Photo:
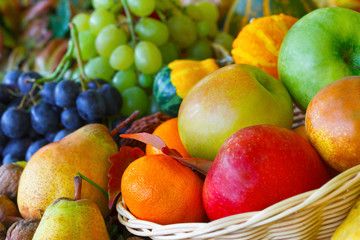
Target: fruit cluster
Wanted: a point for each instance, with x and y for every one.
(128, 43)
(34, 114)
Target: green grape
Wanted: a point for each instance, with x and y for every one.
(209, 11)
(106, 4)
(203, 28)
(225, 40)
(193, 12)
(99, 67)
(134, 98)
(99, 19)
(200, 50)
(152, 30)
(141, 8)
(148, 57)
(108, 39)
(86, 45)
(124, 79)
(213, 29)
(182, 30)
(81, 20)
(122, 57)
(145, 80)
(169, 52)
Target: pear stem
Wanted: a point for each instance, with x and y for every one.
(77, 183)
(92, 183)
(121, 125)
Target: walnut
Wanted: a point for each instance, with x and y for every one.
(7, 208)
(9, 180)
(2, 232)
(23, 229)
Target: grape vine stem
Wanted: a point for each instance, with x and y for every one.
(131, 22)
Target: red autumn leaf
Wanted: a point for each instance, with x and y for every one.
(199, 164)
(119, 162)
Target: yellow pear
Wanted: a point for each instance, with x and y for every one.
(349, 229)
(76, 218)
(48, 174)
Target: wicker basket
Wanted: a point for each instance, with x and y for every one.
(311, 215)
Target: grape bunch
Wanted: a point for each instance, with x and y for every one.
(127, 42)
(34, 113)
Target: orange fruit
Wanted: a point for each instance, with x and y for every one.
(159, 189)
(169, 133)
(302, 132)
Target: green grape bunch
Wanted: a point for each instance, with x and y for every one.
(127, 42)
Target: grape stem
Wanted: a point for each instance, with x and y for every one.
(161, 16)
(62, 66)
(75, 39)
(131, 23)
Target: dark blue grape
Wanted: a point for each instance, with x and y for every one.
(50, 136)
(5, 96)
(25, 81)
(11, 77)
(3, 108)
(47, 92)
(3, 138)
(61, 134)
(15, 122)
(12, 158)
(44, 119)
(34, 147)
(112, 98)
(90, 105)
(95, 83)
(71, 119)
(34, 135)
(17, 146)
(15, 102)
(65, 93)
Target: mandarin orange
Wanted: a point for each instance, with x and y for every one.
(169, 133)
(159, 189)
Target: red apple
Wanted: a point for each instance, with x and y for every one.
(259, 166)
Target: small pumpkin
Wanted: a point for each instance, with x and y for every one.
(176, 79)
(241, 12)
(258, 43)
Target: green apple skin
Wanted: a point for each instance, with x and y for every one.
(320, 48)
(231, 98)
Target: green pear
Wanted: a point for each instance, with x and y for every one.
(349, 229)
(47, 176)
(76, 218)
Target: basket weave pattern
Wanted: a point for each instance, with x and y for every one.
(311, 215)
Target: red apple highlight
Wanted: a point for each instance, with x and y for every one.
(259, 166)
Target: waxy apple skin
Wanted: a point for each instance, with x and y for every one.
(231, 98)
(259, 166)
(321, 47)
(332, 123)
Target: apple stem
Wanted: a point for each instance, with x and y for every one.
(77, 183)
(121, 125)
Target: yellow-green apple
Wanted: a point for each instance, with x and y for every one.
(259, 166)
(231, 98)
(332, 123)
(320, 48)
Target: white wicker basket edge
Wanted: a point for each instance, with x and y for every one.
(311, 215)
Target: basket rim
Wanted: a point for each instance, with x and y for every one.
(338, 184)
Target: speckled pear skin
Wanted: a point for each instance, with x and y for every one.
(68, 219)
(50, 171)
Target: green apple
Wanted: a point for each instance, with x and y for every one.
(320, 48)
(231, 98)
